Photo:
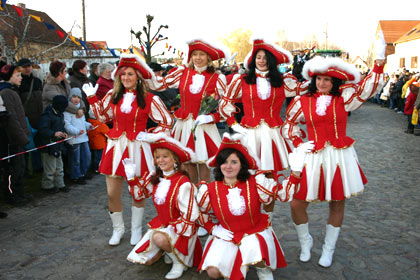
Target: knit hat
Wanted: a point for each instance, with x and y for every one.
(60, 103)
(6, 72)
(75, 92)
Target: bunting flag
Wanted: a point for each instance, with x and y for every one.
(167, 45)
(74, 40)
(60, 33)
(113, 53)
(49, 26)
(18, 10)
(36, 18)
(83, 44)
(169, 48)
(104, 49)
(131, 50)
(160, 36)
(94, 46)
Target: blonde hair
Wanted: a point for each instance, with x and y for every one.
(119, 88)
(210, 66)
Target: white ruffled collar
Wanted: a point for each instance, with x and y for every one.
(168, 173)
(200, 69)
(261, 73)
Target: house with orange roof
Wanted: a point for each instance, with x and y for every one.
(402, 38)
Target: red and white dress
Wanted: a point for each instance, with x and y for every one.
(193, 86)
(262, 106)
(122, 141)
(332, 171)
(238, 209)
(177, 211)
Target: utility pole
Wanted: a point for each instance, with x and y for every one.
(326, 37)
(83, 20)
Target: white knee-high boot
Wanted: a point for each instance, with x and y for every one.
(264, 273)
(118, 228)
(305, 240)
(136, 222)
(331, 237)
(177, 268)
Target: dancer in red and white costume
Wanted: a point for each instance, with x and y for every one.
(243, 235)
(262, 92)
(128, 106)
(173, 230)
(196, 81)
(332, 172)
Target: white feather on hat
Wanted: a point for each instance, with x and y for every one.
(320, 65)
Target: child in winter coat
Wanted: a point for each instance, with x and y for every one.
(97, 140)
(409, 105)
(79, 153)
(51, 129)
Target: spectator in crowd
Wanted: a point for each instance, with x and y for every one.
(97, 140)
(57, 84)
(79, 155)
(17, 131)
(417, 105)
(93, 73)
(30, 92)
(409, 105)
(105, 83)
(50, 130)
(4, 140)
(78, 77)
(399, 102)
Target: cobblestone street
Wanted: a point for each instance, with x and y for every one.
(65, 235)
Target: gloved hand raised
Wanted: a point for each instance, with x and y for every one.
(89, 89)
(239, 129)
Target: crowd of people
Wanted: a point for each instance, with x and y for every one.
(158, 131)
(401, 95)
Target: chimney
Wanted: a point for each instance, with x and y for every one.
(21, 5)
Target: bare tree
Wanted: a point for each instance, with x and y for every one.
(150, 40)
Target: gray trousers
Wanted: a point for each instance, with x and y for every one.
(53, 171)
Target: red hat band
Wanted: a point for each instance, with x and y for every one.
(336, 73)
(281, 55)
(134, 61)
(163, 141)
(213, 52)
(232, 143)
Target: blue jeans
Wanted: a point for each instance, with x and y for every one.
(79, 159)
(96, 158)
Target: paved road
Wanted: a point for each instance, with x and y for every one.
(64, 236)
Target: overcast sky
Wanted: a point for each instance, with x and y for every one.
(350, 24)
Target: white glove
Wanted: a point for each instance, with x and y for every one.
(297, 158)
(222, 233)
(380, 46)
(203, 119)
(89, 89)
(130, 168)
(240, 129)
(142, 136)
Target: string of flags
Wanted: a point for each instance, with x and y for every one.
(84, 44)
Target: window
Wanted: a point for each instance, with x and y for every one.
(414, 62)
(402, 62)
